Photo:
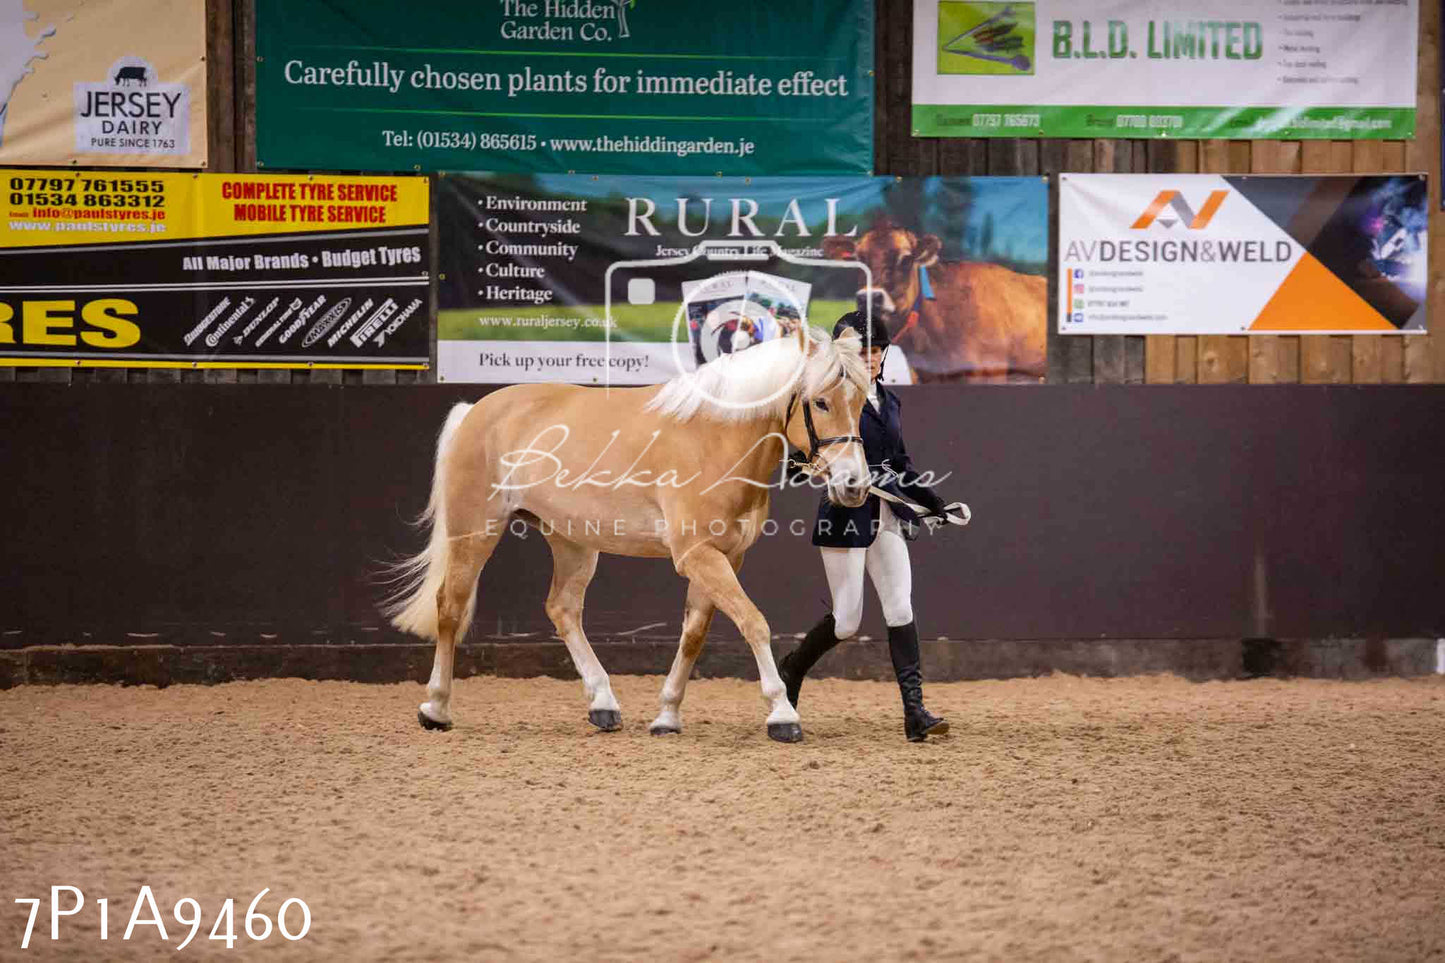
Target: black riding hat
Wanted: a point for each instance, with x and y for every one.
(871, 329)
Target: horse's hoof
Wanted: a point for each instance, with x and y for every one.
(608, 720)
(664, 731)
(785, 732)
(427, 722)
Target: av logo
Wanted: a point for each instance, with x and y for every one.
(1168, 204)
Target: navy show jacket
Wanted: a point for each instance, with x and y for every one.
(882, 433)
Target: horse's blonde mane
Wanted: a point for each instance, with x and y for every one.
(733, 387)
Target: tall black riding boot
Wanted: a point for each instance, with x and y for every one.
(918, 722)
(793, 666)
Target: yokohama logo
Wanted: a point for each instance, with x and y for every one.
(1174, 201)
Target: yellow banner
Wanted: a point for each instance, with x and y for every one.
(43, 208)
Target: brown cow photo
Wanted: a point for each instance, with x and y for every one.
(968, 321)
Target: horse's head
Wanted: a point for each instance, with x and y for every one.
(822, 419)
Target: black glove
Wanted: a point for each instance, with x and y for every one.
(940, 516)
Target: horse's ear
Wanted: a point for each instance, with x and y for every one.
(926, 254)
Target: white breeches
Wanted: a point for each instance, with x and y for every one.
(886, 562)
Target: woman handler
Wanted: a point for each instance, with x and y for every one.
(871, 538)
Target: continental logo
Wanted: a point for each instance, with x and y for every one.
(1170, 208)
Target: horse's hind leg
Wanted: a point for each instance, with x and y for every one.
(572, 570)
(456, 599)
(696, 618)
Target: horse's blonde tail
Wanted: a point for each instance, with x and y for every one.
(412, 607)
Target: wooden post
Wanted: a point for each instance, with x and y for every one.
(1078, 359)
(1424, 354)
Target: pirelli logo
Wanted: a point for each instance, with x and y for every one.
(1170, 208)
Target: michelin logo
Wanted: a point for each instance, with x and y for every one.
(132, 112)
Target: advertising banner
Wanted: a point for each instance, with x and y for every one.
(150, 269)
(629, 280)
(566, 85)
(1210, 254)
(98, 82)
(1125, 68)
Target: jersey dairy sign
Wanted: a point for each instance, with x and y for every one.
(133, 112)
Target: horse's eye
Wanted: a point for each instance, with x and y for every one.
(821, 405)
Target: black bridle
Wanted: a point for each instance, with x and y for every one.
(814, 442)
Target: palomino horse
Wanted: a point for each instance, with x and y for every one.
(677, 470)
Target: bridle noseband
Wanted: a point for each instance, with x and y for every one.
(814, 442)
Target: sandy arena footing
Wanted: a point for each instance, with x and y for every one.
(1064, 818)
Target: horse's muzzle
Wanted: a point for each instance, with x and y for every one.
(848, 494)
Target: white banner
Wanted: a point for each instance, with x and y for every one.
(1177, 68)
(1214, 254)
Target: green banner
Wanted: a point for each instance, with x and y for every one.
(595, 86)
(1237, 123)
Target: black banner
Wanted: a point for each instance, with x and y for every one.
(354, 296)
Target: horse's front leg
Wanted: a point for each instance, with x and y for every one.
(573, 566)
(696, 617)
(709, 570)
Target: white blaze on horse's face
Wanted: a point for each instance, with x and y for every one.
(835, 414)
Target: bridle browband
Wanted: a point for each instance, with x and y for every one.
(814, 442)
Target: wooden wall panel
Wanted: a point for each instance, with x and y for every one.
(231, 97)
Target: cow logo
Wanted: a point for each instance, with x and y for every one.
(132, 75)
(1169, 208)
(132, 111)
(985, 38)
